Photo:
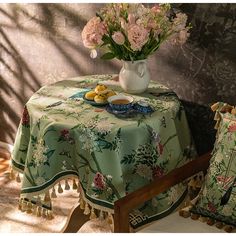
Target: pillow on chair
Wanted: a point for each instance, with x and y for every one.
(217, 198)
(216, 202)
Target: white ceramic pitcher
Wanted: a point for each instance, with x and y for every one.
(134, 76)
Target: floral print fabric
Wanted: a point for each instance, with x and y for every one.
(216, 200)
(62, 136)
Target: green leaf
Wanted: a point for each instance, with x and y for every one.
(46, 163)
(104, 144)
(98, 15)
(129, 159)
(107, 56)
(106, 39)
(61, 139)
(33, 139)
(49, 153)
(23, 150)
(118, 133)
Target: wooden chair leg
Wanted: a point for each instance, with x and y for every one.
(76, 215)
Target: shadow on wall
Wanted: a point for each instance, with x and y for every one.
(14, 71)
(201, 123)
(40, 44)
(204, 69)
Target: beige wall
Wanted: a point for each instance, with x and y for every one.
(41, 44)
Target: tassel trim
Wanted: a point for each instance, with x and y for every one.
(38, 210)
(101, 215)
(74, 186)
(86, 209)
(47, 197)
(82, 203)
(30, 208)
(223, 108)
(215, 106)
(60, 189)
(110, 219)
(185, 212)
(18, 180)
(67, 186)
(103, 212)
(12, 174)
(53, 194)
(92, 215)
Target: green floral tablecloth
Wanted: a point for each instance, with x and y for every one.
(111, 156)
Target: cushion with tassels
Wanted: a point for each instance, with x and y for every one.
(217, 198)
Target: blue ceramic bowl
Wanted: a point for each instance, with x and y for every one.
(120, 102)
(142, 107)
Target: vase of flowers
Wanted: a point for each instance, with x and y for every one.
(131, 33)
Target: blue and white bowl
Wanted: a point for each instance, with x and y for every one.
(120, 107)
(143, 107)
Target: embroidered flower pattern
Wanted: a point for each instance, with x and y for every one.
(25, 117)
(227, 210)
(39, 154)
(40, 180)
(157, 139)
(104, 126)
(211, 207)
(102, 186)
(215, 201)
(88, 140)
(232, 128)
(173, 195)
(94, 138)
(65, 133)
(99, 181)
(157, 172)
(65, 136)
(144, 171)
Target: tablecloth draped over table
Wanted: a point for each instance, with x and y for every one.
(110, 156)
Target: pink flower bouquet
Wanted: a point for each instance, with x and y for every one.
(132, 31)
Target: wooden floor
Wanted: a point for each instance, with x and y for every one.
(4, 160)
(77, 218)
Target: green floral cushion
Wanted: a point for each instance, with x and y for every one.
(217, 198)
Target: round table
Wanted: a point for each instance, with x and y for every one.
(106, 157)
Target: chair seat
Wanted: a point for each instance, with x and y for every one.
(174, 223)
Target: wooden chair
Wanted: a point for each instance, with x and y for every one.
(123, 206)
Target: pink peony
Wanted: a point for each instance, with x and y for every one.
(180, 22)
(151, 24)
(118, 37)
(137, 36)
(156, 9)
(131, 19)
(183, 36)
(232, 128)
(157, 172)
(123, 24)
(93, 32)
(180, 38)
